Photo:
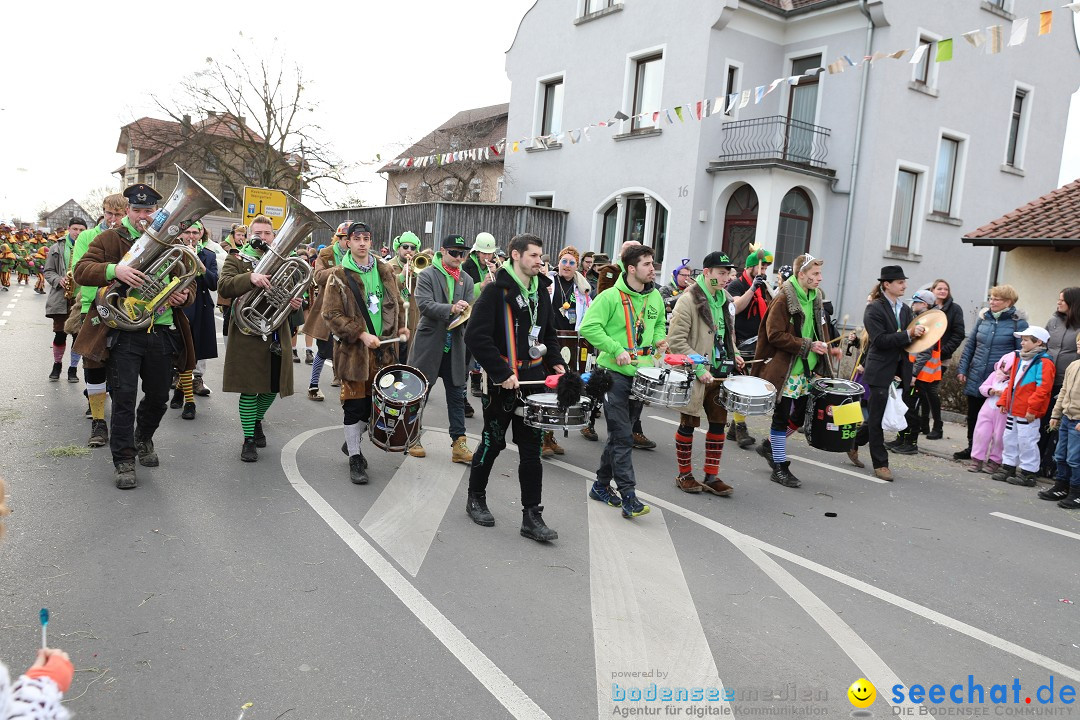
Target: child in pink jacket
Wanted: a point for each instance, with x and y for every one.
(986, 444)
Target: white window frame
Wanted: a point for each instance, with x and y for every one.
(403, 192)
(449, 185)
(959, 172)
(532, 197)
(917, 211)
(582, 7)
(922, 36)
(630, 82)
(476, 189)
(499, 183)
(541, 88)
(1022, 131)
(150, 178)
(131, 179)
(132, 157)
(739, 75)
(789, 59)
(230, 205)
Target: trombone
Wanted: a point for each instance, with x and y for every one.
(417, 263)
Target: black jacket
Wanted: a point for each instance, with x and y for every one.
(887, 357)
(954, 333)
(485, 334)
(748, 322)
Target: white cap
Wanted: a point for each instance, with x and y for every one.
(1039, 333)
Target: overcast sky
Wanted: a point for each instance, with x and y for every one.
(382, 74)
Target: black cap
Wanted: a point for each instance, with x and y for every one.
(360, 227)
(141, 195)
(892, 272)
(454, 241)
(77, 221)
(717, 259)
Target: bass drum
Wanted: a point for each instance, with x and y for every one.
(575, 350)
(831, 425)
(397, 405)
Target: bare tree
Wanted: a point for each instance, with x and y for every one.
(253, 126)
(96, 198)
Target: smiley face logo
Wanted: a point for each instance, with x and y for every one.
(862, 693)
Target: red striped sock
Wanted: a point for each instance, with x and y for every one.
(714, 448)
(684, 452)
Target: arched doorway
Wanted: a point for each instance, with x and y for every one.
(793, 232)
(740, 223)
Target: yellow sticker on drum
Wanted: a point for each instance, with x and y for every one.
(387, 381)
(847, 414)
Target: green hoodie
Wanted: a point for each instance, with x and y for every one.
(604, 325)
(86, 293)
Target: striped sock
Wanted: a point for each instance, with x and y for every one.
(265, 400)
(684, 450)
(184, 383)
(778, 440)
(248, 411)
(714, 448)
(316, 370)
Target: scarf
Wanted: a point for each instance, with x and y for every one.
(1027, 355)
(757, 302)
(528, 292)
(250, 252)
(131, 228)
(369, 275)
(338, 252)
(806, 302)
(716, 300)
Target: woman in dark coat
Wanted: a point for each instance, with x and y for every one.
(991, 338)
(1063, 326)
(200, 315)
(950, 343)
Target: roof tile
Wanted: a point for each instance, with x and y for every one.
(1054, 216)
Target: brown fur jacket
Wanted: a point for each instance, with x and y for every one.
(780, 338)
(343, 317)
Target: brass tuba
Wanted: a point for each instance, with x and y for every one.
(261, 311)
(158, 254)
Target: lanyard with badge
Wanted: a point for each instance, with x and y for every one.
(536, 348)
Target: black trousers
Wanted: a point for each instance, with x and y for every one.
(931, 402)
(871, 431)
(499, 407)
(134, 356)
(974, 405)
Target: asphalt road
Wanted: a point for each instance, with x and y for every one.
(218, 583)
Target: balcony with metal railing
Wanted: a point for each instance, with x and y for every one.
(775, 141)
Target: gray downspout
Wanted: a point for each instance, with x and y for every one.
(852, 183)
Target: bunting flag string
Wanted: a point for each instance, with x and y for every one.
(992, 38)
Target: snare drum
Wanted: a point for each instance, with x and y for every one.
(662, 386)
(575, 350)
(827, 397)
(397, 403)
(748, 395)
(542, 411)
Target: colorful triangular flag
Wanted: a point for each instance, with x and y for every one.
(975, 38)
(994, 37)
(944, 50)
(1046, 21)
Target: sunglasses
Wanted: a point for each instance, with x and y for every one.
(456, 253)
(408, 246)
(568, 261)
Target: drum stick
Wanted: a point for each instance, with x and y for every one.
(398, 339)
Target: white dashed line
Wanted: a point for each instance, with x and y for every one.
(1031, 523)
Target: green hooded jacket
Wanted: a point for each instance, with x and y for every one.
(604, 325)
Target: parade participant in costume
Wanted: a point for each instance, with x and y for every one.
(22, 260)
(314, 325)
(128, 356)
(625, 323)
(231, 244)
(361, 306)
(37, 262)
(791, 347)
(885, 319)
(682, 278)
(606, 278)
(752, 297)
(481, 266)
(57, 271)
(200, 315)
(114, 209)
(406, 246)
(254, 366)
(7, 264)
(1024, 402)
(570, 295)
(442, 292)
(510, 324)
(702, 323)
(926, 373)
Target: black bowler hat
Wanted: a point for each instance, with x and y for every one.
(141, 195)
(717, 259)
(892, 272)
(454, 241)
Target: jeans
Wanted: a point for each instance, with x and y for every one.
(621, 414)
(499, 415)
(455, 398)
(136, 355)
(1067, 454)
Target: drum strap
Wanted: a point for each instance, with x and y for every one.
(359, 301)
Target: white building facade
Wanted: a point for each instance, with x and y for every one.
(883, 164)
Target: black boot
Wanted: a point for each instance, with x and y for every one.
(73, 374)
(189, 411)
(742, 436)
(782, 474)
(532, 525)
(358, 469)
(260, 437)
(1060, 491)
(145, 450)
(55, 374)
(765, 451)
(248, 453)
(125, 475)
(1004, 473)
(177, 401)
(476, 508)
(937, 433)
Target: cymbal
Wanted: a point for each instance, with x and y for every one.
(936, 322)
(460, 318)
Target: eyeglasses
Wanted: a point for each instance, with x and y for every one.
(456, 253)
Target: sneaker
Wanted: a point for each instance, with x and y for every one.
(589, 434)
(309, 357)
(314, 393)
(199, 387)
(177, 401)
(1025, 478)
(883, 473)
(991, 467)
(73, 374)
(145, 450)
(962, 455)
(1072, 502)
(602, 492)
(687, 483)
(260, 436)
(248, 453)
(55, 374)
(99, 434)
(643, 443)
(716, 486)
(1060, 491)
(781, 474)
(189, 411)
(904, 449)
(461, 452)
(416, 450)
(125, 475)
(632, 507)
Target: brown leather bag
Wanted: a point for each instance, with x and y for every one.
(74, 321)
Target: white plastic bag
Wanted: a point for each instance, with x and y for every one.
(895, 410)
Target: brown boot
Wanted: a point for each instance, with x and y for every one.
(550, 446)
(687, 483)
(883, 473)
(716, 486)
(461, 452)
(853, 456)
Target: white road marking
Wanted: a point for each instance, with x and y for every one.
(864, 587)
(476, 662)
(11, 305)
(6, 313)
(643, 615)
(1031, 523)
(808, 461)
(406, 515)
(3, 322)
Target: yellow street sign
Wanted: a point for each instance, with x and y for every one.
(264, 201)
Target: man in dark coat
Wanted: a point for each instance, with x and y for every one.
(885, 319)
